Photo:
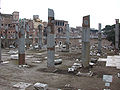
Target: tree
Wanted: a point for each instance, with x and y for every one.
(111, 36)
(110, 33)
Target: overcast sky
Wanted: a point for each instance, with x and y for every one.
(100, 11)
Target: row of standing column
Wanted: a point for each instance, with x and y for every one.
(51, 39)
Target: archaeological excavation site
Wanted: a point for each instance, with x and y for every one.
(53, 55)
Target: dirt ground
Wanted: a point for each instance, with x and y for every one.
(59, 78)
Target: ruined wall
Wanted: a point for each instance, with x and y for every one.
(77, 42)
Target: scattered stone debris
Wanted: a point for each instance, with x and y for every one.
(14, 57)
(93, 60)
(13, 52)
(37, 61)
(24, 66)
(78, 65)
(28, 56)
(5, 62)
(71, 69)
(40, 86)
(56, 55)
(22, 85)
(67, 85)
(98, 54)
(74, 67)
(45, 57)
(91, 63)
(77, 60)
(85, 74)
(58, 61)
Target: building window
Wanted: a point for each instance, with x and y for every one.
(13, 26)
(60, 42)
(62, 23)
(60, 30)
(8, 25)
(55, 43)
(56, 23)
